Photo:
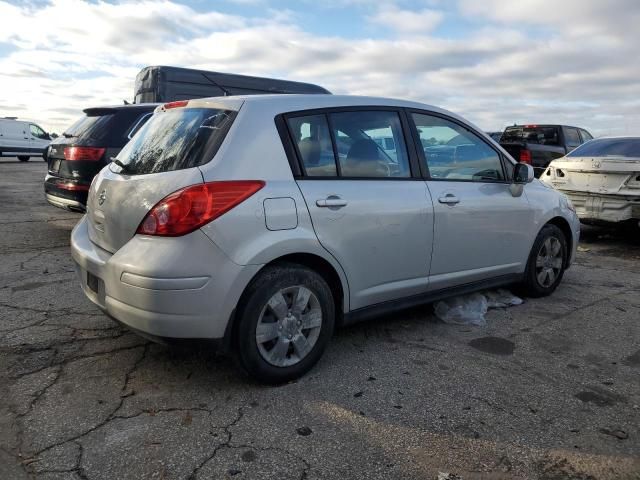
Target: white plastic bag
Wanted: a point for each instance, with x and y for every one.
(501, 298)
(471, 309)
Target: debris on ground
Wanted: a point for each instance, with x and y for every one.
(470, 309)
(448, 476)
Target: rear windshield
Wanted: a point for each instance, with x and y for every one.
(94, 127)
(609, 147)
(176, 139)
(531, 134)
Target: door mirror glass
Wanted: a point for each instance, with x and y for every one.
(523, 173)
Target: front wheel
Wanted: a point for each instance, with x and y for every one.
(23, 158)
(286, 319)
(546, 263)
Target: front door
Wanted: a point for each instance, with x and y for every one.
(481, 230)
(367, 209)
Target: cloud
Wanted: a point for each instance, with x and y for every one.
(408, 21)
(514, 61)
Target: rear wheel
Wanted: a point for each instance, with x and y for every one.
(546, 263)
(286, 319)
(23, 158)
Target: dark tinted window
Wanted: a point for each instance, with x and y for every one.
(609, 147)
(176, 139)
(89, 127)
(454, 153)
(313, 141)
(370, 144)
(572, 139)
(531, 134)
(105, 127)
(139, 124)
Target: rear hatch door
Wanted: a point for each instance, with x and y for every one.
(118, 203)
(162, 158)
(86, 147)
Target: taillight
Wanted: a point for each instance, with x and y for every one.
(176, 104)
(525, 156)
(72, 187)
(191, 207)
(92, 154)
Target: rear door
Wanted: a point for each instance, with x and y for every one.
(481, 230)
(368, 206)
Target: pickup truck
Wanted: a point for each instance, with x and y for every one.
(538, 145)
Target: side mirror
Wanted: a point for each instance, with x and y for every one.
(523, 173)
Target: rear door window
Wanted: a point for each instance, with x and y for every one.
(354, 144)
(176, 139)
(370, 144)
(586, 136)
(572, 138)
(313, 141)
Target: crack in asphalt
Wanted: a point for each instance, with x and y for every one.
(226, 428)
(110, 417)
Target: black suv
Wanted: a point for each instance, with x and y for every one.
(86, 147)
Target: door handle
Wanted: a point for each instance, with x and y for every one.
(331, 202)
(449, 199)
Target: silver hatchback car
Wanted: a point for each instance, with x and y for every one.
(264, 222)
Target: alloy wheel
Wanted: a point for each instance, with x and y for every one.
(289, 326)
(549, 262)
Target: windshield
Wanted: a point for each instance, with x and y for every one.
(609, 147)
(175, 139)
(531, 134)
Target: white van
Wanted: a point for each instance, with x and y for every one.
(22, 139)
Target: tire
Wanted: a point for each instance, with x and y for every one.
(23, 158)
(288, 350)
(544, 272)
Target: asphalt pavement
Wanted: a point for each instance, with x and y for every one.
(547, 390)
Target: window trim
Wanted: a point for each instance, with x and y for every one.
(295, 160)
(38, 127)
(584, 139)
(504, 162)
(565, 130)
(135, 128)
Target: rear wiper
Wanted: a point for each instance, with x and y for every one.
(122, 166)
(67, 135)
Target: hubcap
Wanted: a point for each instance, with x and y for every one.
(289, 326)
(549, 262)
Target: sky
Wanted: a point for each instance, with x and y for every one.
(495, 62)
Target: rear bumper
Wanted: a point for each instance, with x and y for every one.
(182, 287)
(66, 193)
(605, 208)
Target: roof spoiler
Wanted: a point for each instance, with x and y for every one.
(98, 111)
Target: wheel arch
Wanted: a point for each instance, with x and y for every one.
(331, 274)
(564, 226)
